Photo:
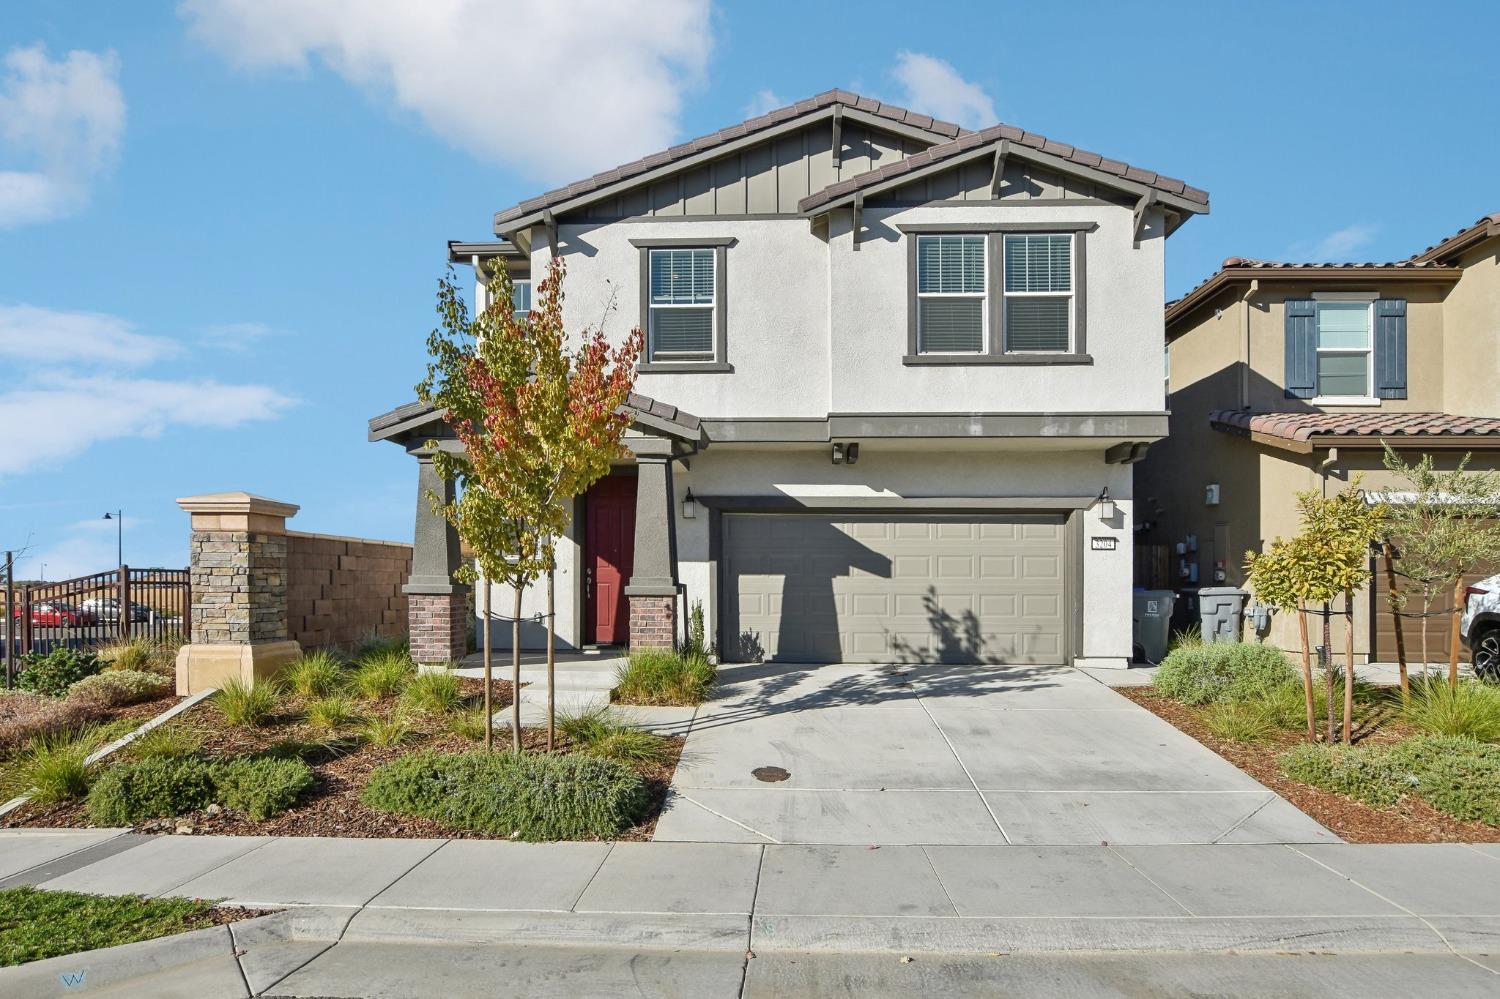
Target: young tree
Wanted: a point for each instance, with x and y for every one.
(1445, 529)
(1328, 557)
(539, 422)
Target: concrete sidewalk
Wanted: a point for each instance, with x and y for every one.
(362, 916)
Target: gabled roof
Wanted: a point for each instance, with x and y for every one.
(1460, 241)
(1026, 145)
(1302, 432)
(418, 420)
(857, 108)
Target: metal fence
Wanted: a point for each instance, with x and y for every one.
(94, 610)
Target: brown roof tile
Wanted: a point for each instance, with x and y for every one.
(1304, 427)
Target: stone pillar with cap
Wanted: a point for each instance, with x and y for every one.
(239, 580)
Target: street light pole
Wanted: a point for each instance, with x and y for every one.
(119, 518)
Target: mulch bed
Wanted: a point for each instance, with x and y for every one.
(331, 807)
(1410, 820)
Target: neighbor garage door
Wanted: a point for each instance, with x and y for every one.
(962, 589)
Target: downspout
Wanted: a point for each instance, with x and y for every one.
(1250, 293)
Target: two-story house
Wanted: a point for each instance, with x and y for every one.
(896, 377)
(1286, 377)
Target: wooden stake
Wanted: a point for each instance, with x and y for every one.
(1307, 680)
(1348, 666)
(489, 672)
(515, 675)
(551, 659)
(1390, 590)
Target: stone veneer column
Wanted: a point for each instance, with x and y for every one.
(239, 579)
(438, 614)
(652, 589)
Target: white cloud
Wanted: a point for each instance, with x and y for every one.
(53, 336)
(763, 101)
(236, 337)
(557, 90)
(67, 413)
(932, 86)
(1338, 246)
(61, 121)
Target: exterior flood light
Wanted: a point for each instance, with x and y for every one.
(689, 506)
(851, 453)
(838, 454)
(1106, 505)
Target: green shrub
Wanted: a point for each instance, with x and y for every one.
(1285, 706)
(1222, 671)
(1470, 709)
(165, 741)
(598, 733)
(156, 655)
(157, 788)
(117, 687)
(317, 674)
(529, 797)
(247, 706)
(1239, 721)
(432, 693)
(161, 787)
(467, 724)
(260, 786)
(52, 674)
(662, 676)
(383, 674)
(53, 767)
(387, 730)
(329, 713)
(1457, 776)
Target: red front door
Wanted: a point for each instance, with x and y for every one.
(609, 555)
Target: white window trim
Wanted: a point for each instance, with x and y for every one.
(983, 295)
(1368, 351)
(1071, 293)
(669, 356)
(531, 289)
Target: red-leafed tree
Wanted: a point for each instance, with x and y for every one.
(540, 420)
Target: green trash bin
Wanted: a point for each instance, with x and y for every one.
(1152, 624)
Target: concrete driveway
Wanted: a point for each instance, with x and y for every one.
(884, 755)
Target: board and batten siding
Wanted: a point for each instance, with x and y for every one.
(1019, 181)
(765, 179)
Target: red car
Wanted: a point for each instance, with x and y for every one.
(56, 614)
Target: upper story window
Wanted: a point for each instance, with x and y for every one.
(1344, 349)
(952, 307)
(683, 304)
(522, 298)
(1039, 292)
(996, 293)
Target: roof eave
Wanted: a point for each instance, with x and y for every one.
(462, 251)
(1458, 243)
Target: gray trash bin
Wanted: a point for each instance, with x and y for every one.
(1153, 623)
(1221, 609)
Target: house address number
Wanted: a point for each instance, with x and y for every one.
(1103, 544)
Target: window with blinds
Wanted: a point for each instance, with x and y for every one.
(1039, 293)
(522, 298)
(682, 303)
(951, 294)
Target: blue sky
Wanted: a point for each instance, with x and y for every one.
(221, 221)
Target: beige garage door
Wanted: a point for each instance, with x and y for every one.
(961, 589)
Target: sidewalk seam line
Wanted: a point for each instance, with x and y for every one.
(964, 767)
(419, 862)
(750, 923)
(573, 905)
(234, 956)
(217, 867)
(1416, 915)
(1152, 882)
(933, 867)
(749, 829)
(1253, 813)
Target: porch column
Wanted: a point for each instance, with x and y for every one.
(239, 580)
(437, 605)
(652, 589)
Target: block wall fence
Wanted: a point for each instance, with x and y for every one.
(341, 591)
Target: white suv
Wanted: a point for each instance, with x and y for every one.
(1480, 627)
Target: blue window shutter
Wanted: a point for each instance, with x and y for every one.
(1301, 349)
(1390, 348)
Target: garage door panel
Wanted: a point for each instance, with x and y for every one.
(883, 589)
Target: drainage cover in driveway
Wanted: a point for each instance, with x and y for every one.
(770, 774)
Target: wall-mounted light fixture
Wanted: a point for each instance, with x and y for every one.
(689, 505)
(1106, 505)
(838, 453)
(851, 453)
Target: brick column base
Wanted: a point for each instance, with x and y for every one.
(438, 626)
(653, 622)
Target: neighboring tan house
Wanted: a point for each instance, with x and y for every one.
(1287, 377)
(896, 376)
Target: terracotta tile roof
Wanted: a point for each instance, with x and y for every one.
(964, 143)
(1304, 427)
(1489, 225)
(940, 130)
